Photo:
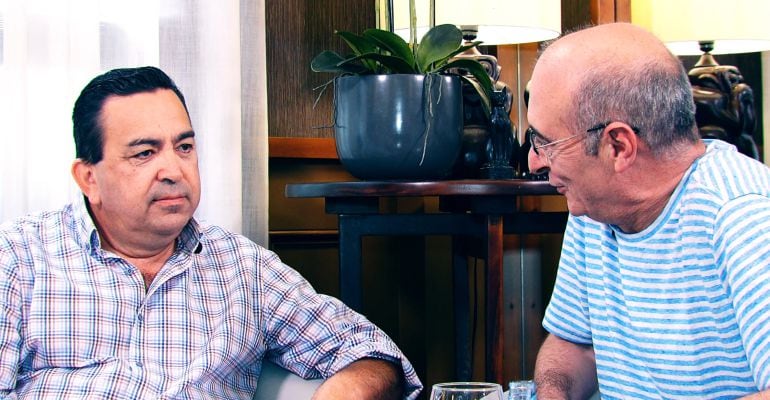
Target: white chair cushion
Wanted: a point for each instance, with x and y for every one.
(276, 383)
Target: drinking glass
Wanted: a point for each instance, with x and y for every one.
(466, 391)
(521, 390)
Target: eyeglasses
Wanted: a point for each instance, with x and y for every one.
(539, 143)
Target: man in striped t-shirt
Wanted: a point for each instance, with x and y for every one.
(663, 288)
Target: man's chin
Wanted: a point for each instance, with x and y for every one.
(170, 224)
(170, 217)
(575, 208)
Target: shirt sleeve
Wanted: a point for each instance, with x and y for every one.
(742, 244)
(315, 335)
(567, 313)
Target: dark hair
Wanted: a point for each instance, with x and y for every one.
(86, 127)
(654, 96)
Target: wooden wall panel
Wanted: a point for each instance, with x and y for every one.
(623, 10)
(578, 13)
(297, 30)
(575, 13)
(602, 11)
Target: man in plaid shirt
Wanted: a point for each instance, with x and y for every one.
(125, 296)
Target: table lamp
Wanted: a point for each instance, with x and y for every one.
(498, 21)
(724, 102)
(488, 142)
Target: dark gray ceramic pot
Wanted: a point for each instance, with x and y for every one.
(381, 121)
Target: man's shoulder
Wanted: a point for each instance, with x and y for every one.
(220, 238)
(37, 224)
(26, 240)
(217, 233)
(222, 245)
(724, 174)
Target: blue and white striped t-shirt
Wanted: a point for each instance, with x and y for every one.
(681, 309)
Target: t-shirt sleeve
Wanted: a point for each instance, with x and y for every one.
(567, 313)
(742, 244)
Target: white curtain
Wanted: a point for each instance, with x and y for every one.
(214, 50)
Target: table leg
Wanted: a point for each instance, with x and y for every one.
(350, 262)
(461, 294)
(494, 299)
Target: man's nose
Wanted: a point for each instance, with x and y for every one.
(170, 169)
(537, 164)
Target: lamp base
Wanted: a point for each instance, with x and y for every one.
(724, 104)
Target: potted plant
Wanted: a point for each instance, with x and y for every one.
(398, 108)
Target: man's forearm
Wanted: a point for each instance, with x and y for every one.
(564, 370)
(368, 379)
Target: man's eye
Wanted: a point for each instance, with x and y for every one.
(143, 154)
(186, 147)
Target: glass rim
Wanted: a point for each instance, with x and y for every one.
(472, 386)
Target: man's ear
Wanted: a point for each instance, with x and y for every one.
(84, 176)
(623, 145)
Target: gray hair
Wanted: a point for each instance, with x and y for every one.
(653, 96)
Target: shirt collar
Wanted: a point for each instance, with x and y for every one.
(85, 229)
(189, 240)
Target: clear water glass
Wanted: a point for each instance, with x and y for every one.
(521, 390)
(467, 391)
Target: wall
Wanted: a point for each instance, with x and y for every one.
(297, 30)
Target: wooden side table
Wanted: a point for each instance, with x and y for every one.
(483, 209)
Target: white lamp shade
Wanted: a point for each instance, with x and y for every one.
(737, 26)
(498, 21)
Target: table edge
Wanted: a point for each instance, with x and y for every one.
(465, 187)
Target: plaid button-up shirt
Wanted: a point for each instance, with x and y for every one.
(77, 321)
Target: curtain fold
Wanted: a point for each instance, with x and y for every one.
(254, 123)
(213, 50)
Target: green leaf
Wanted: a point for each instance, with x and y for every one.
(474, 68)
(465, 47)
(359, 44)
(481, 80)
(329, 61)
(326, 61)
(439, 65)
(353, 66)
(437, 44)
(392, 43)
(393, 64)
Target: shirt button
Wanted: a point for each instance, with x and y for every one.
(140, 317)
(139, 364)
(127, 271)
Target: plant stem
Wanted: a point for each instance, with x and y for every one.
(412, 26)
(432, 14)
(384, 11)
